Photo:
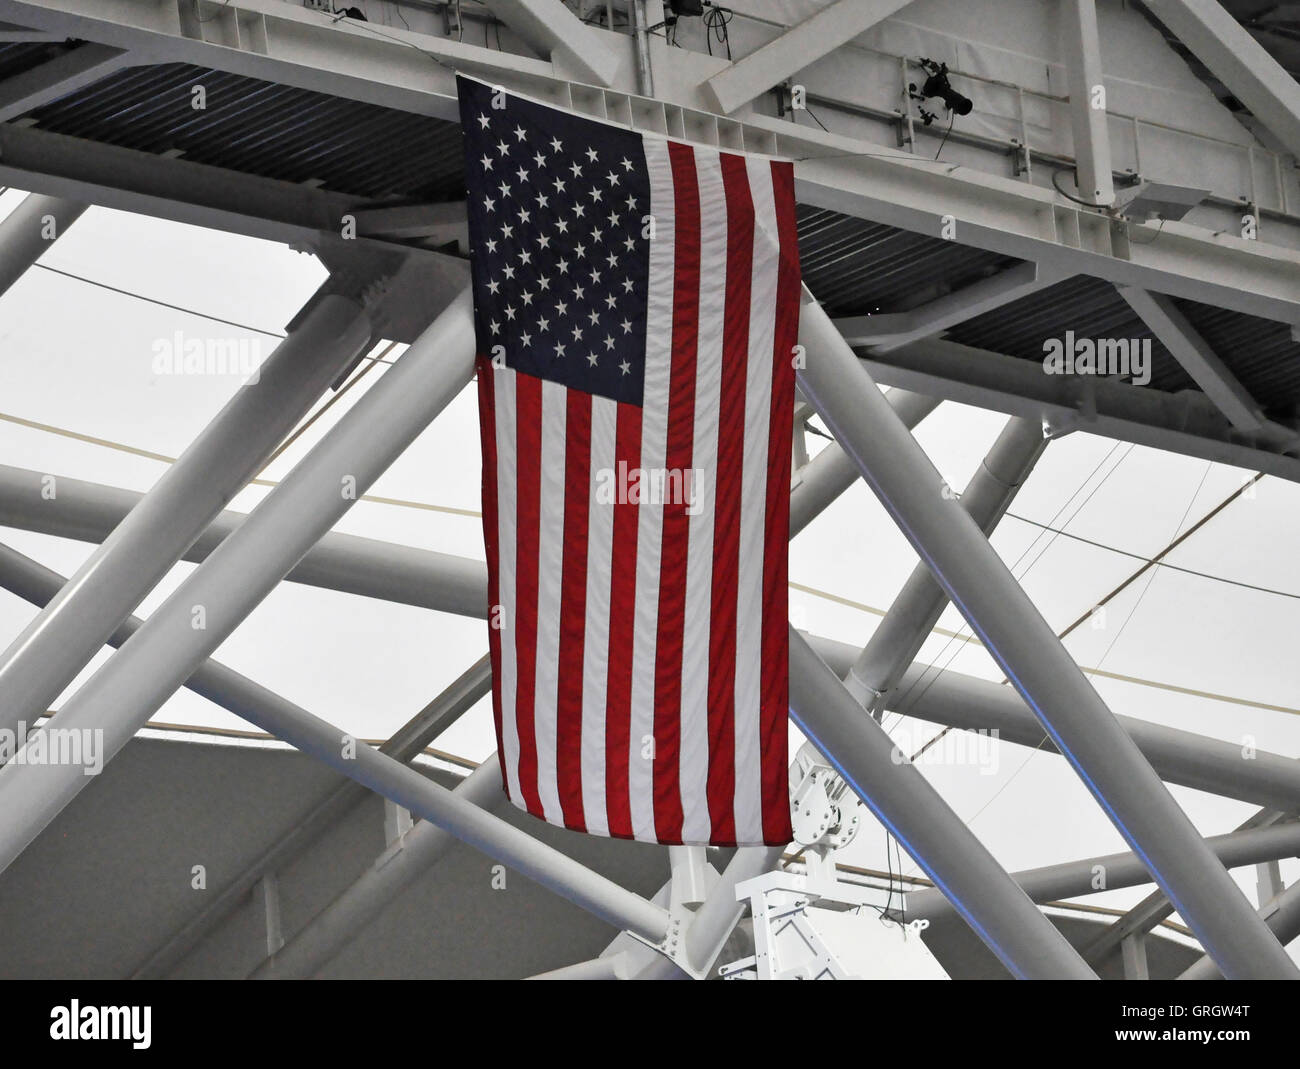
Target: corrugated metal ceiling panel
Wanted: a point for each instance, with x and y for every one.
(854, 266)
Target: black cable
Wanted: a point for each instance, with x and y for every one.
(952, 115)
(1068, 196)
(161, 304)
(814, 117)
(716, 20)
(1156, 563)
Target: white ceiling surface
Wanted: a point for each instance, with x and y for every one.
(80, 358)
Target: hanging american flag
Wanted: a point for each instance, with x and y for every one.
(636, 308)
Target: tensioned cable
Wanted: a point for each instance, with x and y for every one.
(106, 443)
(1117, 676)
(165, 304)
(803, 588)
(937, 668)
(1106, 653)
(307, 424)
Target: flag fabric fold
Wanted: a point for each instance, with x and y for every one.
(636, 311)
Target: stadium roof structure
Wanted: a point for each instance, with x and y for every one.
(941, 260)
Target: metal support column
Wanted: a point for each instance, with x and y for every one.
(1282, 915)
(718, 914)
(214, 600)
(69, 631)
(1031, 656)
(29, 230)
(1087, 101)
(1072, 879)
(901, 634)
(1182, 757)
(979, 889)
(831, 472)
(377, 769)
(421, 730)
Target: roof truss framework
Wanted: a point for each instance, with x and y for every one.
(835, 24)
(1189, 265)
(1238, 60)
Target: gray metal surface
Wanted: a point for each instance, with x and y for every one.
(68, 632)
(1018, 638)
(158, 659)
(29, 230)
(895, 643)
(978, 888)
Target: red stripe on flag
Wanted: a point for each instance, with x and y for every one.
(528, 412)
(491, 541)
(776, 627)
(726, 523)
(676, 524)
(622, 629)
(573, 609)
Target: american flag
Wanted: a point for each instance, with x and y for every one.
(636, 308)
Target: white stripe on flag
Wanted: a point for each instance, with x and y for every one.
(503, 389)
(654, 445)
(753, 508)
(694, 756)
(550, 569)
(595, 647)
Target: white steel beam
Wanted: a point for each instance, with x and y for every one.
(66, 73)
(29, 230)
(1239, 61)
(1182, 757)
(437, 223)
(143, 674)
(415, 72)
(1281, 914)
(968, 876)
(1193, 352)
(555, 31)
(1072, 879)
(1186, 422)
(799, 47)
(11, 34)
(1031, 656)
(330, 930)
(883, 333)
(1087, 101)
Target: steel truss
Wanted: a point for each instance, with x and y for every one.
(287, 536)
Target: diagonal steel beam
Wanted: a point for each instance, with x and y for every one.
(191, 623)
(555, 31)
(831, 472)
(455, 812)
(1239, 61)
(968, 877)
(1053, 883)
(1032, 657)
(1281, 914)
(411, 740)
(1153, 909)
(884, 333)
(800, 46)
(1196, 357)
(327, 337)
(1182, 757)
(917, 608)
(29, 230)
(73, 69)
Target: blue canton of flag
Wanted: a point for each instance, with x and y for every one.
(559, 208)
